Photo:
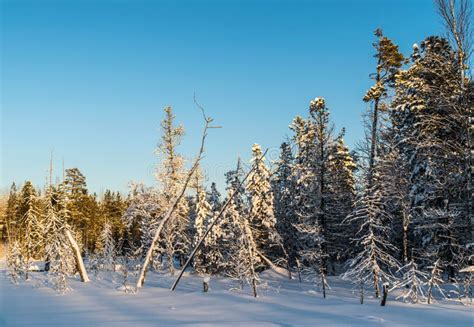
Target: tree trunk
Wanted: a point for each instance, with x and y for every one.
(28, 249)
(254, 287)
(376, 285)
(77, 257)
(373, 141)
(430, 292)
(205, 284)
(323, 281)
(299, 269)
(385, 294)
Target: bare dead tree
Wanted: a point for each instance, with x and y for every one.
(457, 20)
(169, 214)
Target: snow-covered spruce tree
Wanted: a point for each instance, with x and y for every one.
(107, 252)
(79, 219)
(241, 249)
(233, 178)
(340, 200)
(283, 185)
(142, 217)
(229, 246)
(58, 253)
(435, 280)
(171, 175)
(112, 206)
(12, 219)
(412, 281)
(435, 229)
(324, 182)
(227, 230)
(324, 139)
(215, 251)
(432, 117)
(373, 263)
(214, 198)
(394, 169)
(262, 218)
(203, 259)
(14, 261)
(304, 196)
(312, 255)
(31, 224)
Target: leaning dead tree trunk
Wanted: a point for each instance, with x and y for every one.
(272, 266)
(77, 257)
(213, 223)
(169, 214)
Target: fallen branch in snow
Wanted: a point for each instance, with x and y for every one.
(219, 215)
(169, 214)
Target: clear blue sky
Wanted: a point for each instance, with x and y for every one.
(89, 79)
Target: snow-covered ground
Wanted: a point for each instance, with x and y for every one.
(281, 303)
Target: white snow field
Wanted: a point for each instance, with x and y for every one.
(281, 303)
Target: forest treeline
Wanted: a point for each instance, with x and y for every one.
(396, 211)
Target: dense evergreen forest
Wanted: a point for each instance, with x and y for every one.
(394, 212)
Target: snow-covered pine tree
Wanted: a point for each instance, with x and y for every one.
(261, 215)
(389, 61)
